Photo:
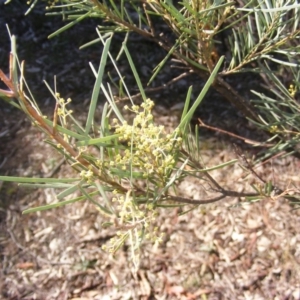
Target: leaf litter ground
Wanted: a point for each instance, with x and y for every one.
(227, 250)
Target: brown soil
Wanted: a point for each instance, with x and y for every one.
(227, 250)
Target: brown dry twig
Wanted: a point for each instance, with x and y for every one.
(247, 141)
(276, 192)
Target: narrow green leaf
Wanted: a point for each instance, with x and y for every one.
(127, 174)
(55, 205)
(88, 196)
(279, 61)
(104, 196)
(102, 141)
(110, 99)
(95, 41)
(282, 8)
(97, 86)
(9, 100)
(103, 128)
(37, 180)
(67, 192)
(46, 185)
(115, 10)
(30, 7)
(175, 13)
(197, 141)
(254, 198)
(186, 106)
(122, 47)
(220, 166)
(135, 73)
(192, 62)
(207, 85)
(66, 131)
(62, 29)
(119, 73)
(162, 63)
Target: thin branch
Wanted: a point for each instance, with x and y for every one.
(247, 164)
(191, 201)
(212, 200)
(152, 29)
(276, 190)
(217, 187)
(247, 141)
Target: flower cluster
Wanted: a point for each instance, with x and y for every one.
(88, 176)
(51, 3)
(150, 149)
(62, 112)
(292, 90)
(133, 224)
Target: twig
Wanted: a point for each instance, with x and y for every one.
(247, 141)
(217, 187)
(225, 193)
(152, 29)
(246, 163)
(276, 191)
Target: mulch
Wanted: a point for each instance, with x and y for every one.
(232, 249)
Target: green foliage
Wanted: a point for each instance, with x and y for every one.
(135, 167)
(280, 114)
(254, 32)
